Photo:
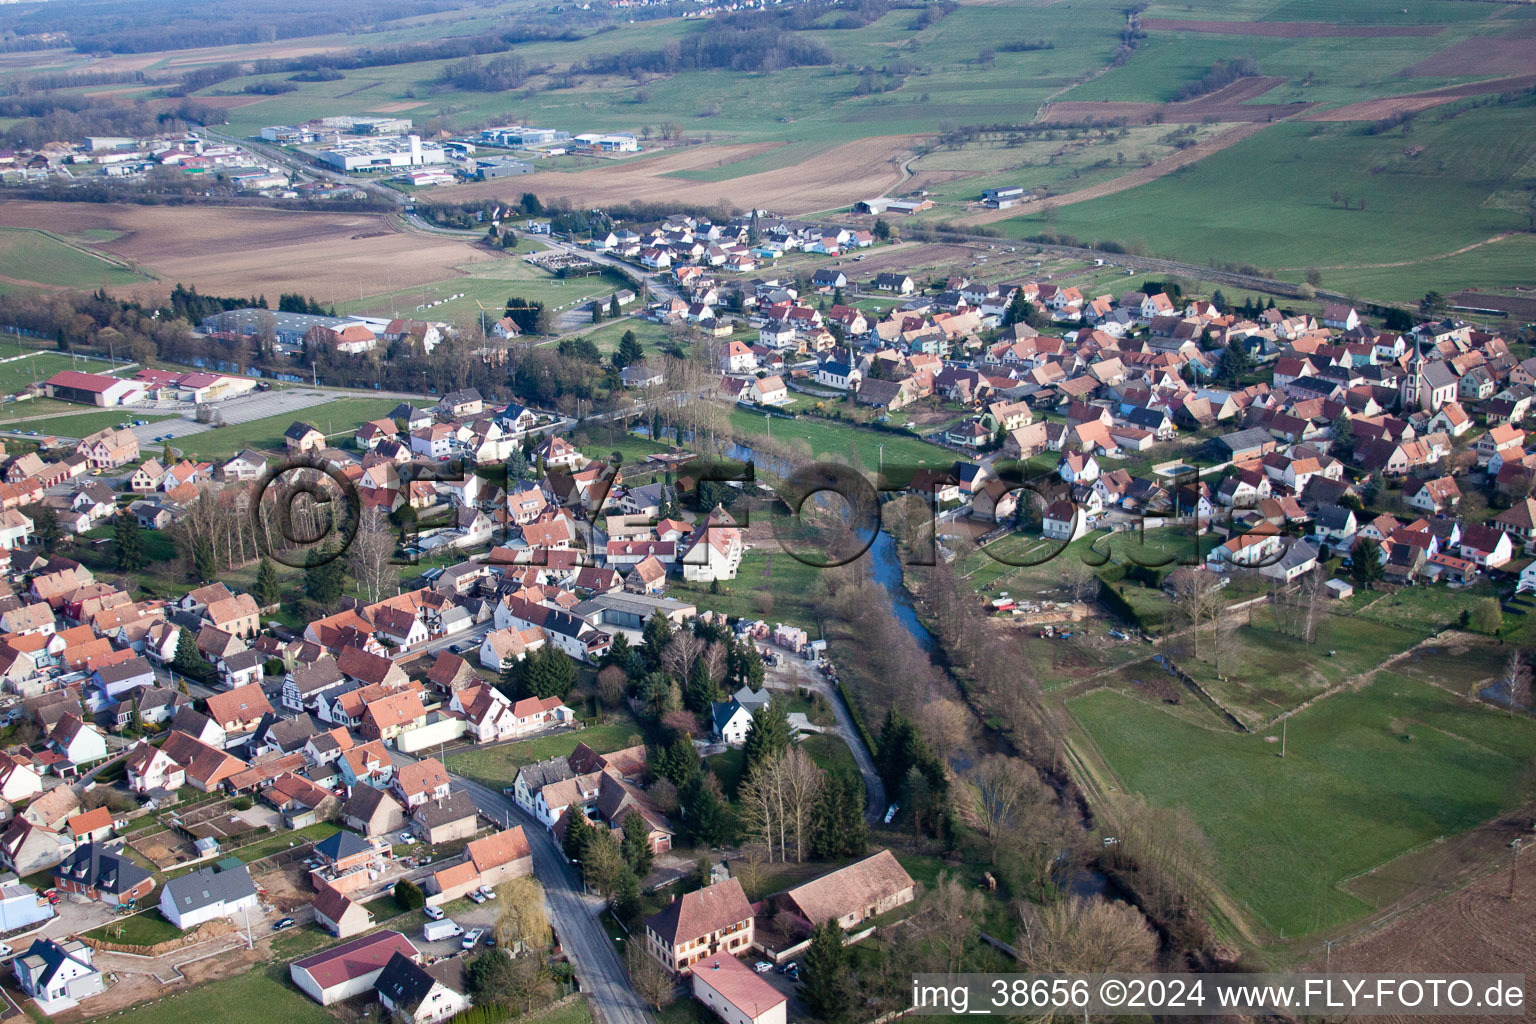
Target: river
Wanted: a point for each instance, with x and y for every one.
(885, 566)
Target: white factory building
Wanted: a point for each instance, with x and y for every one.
(382, 153)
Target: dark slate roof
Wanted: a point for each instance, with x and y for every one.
(456, 807)
(405, 982)
(92, 866)
(542, 773)
(342, 845)
(206, 887)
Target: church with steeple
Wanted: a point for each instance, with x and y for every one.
(1428, 384)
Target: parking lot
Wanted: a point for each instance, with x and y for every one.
(255, 406)
(467, 916)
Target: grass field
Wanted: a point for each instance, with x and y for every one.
(769, 585)
(39, 366)
(338, 417)
(860, 446)
(142, 929)
(1368, 775)
(81, 424)
(38, 259)
(1250, 687)
(488, 282)
(497, 766)
(264, 995)
(607, 336)
(1273, 193)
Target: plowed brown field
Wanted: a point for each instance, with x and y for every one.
(232, 251)
(1477, 929)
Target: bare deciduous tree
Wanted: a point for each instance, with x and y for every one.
(1519, 675)
(1080, 579)
(952, 912)
(945, 724)
(1197, 601)
(677, 658)
(800, 781)
(653, 982)
(1085, 936)
(1000, 784)
(370, 555)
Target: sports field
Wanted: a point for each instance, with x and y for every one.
(34, 366)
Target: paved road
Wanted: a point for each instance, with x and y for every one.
(574, 915)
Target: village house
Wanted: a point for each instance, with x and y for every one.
(715, 920)
(489, 861)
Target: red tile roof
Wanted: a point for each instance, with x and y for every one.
(352, 960)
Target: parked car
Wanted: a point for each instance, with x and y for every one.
(475, 897)
(433, 913)
(793, 965)
(6, 952)
(286, 922)
(471, 937)
(487, 892)
(762, 967)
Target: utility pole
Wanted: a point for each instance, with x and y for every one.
(250, 943)
(1514, 865)
(1283, 723)
(1327, 954)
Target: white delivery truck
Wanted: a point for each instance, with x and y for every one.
(444, 929)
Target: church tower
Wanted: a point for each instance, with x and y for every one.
(1414, 393)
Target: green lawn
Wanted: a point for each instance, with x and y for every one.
(142, 929)
(280, 841)
(31, 257)
(491, 282)
(607, 336)
(260, 996)
(1253, 689)
(827, 437)
(81, 424)
(770, 585)
(338, 418)
(497, 766)
(1368, 775)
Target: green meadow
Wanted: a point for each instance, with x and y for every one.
(30, 258)
(1268, 199)
(1368, 775)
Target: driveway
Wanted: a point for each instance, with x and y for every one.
(793, 672)
(573, 914)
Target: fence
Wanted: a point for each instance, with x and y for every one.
(1200, 691)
